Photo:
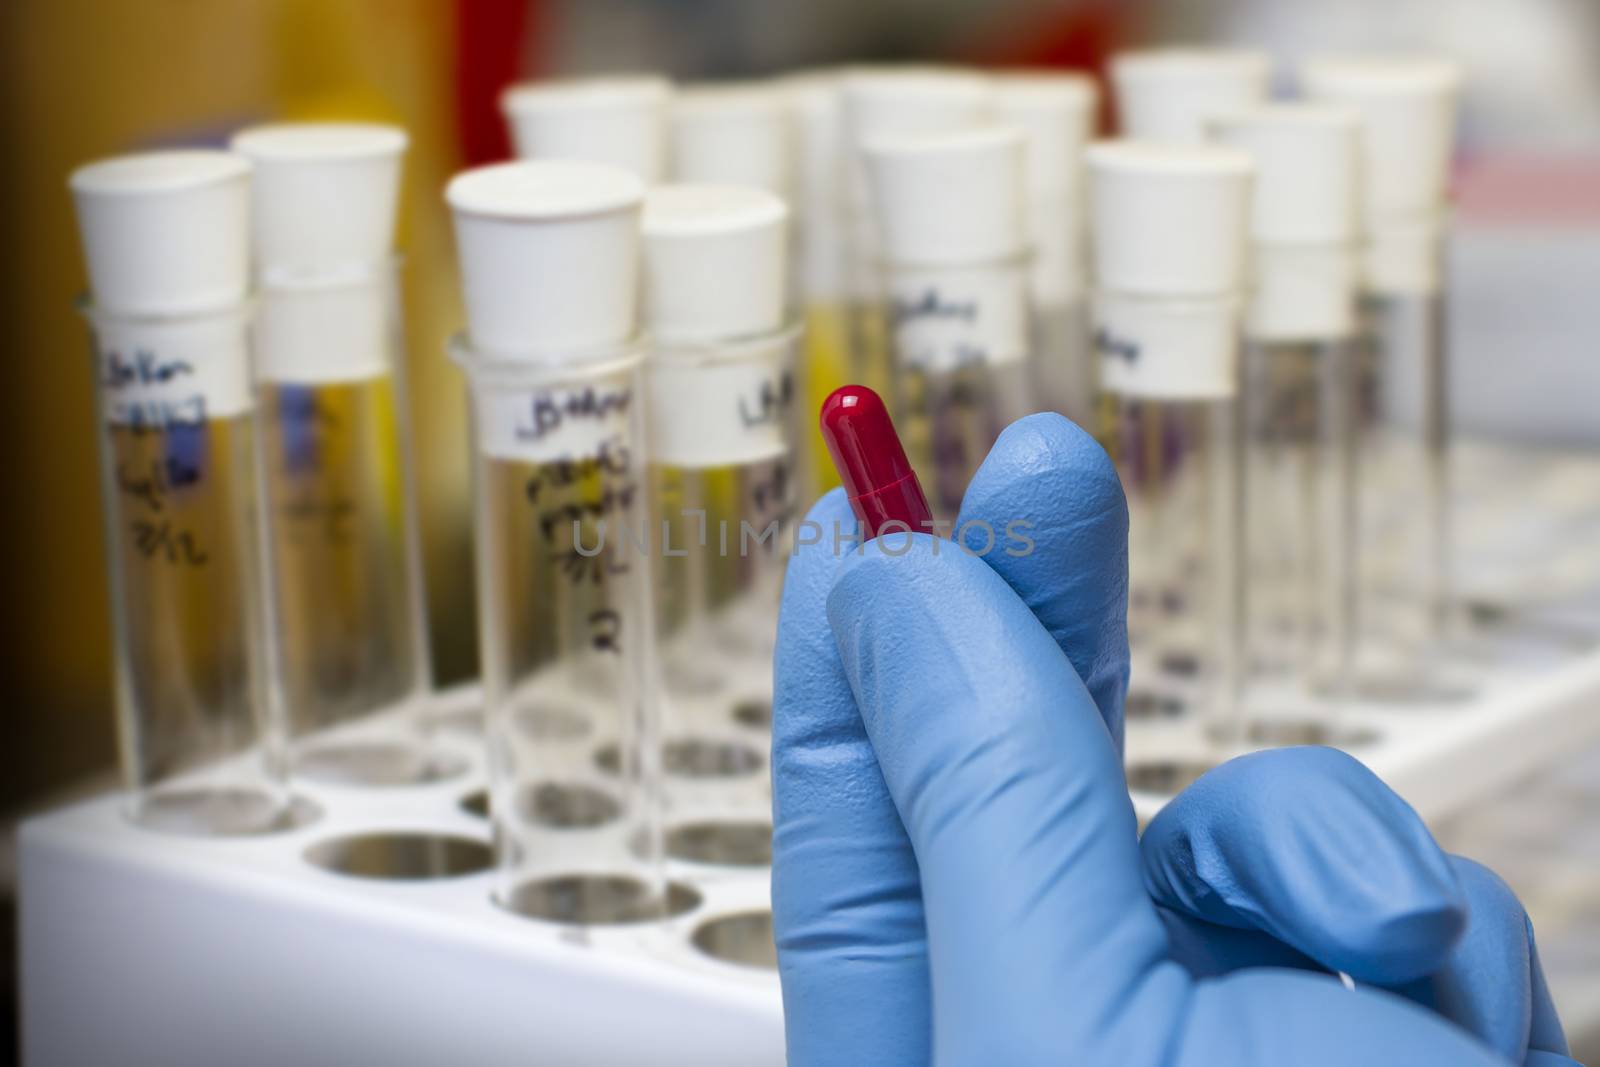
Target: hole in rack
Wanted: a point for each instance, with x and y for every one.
(1145, 706)
(697, 758)
(1164, 776)
(725, 844)
(1180, 664)
(744, 938)
(402, 856)
(376, 763)
(1279, 733)
(457, 720)
(475, 803)
(756, 713)
(566, 806)
(551, 723)
(598, 899)
(222, 812)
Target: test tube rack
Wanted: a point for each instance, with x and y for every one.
(139, 948)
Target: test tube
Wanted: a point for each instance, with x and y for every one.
(1168, 260)
(1299, 392)
(1166, 95)
(1407, 109)
(720, 396)
(617, 121)
(954, 240)
(166, 240)
(879, 102)
(347, 626)
(548, 254)
(1056, 113)
(820, 273)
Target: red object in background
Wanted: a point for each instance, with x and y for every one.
(871, 461)
(489, 40)
(1080, 36)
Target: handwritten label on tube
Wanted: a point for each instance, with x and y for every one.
(947, 317)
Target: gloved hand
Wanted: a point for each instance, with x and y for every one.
(957, 874)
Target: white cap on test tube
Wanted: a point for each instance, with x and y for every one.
(895, 100)
(324, 195)
(950, 198)
(715, 262)
(1408, 109)
(549, 255)
(736, 134)
(1169, 263)
(1169, 220)
(817, 110)
(165, 233)
(617, 121)
(1056, 113)
(1166, 94)
(1304, 218)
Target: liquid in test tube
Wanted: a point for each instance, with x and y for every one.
(1056, 113)
(952, 224)
(565, 628)
(348, 627)
(166, 240)
(1407, 109)
(618, 121)
(720, 390)
(885, 102)
(1169, 254)
(1299, 401)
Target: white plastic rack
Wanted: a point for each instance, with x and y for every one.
(321, 945)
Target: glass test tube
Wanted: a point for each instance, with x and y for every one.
(1299, 401)
(565, 625)
(1407, 111)
(821, 269)
(1056, 113)
(166, 240)
(342, 542)
(721, 480)
(952, 222)
(883, 102)
(1169, 224)
(348, 626)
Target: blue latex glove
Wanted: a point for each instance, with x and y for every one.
(957, 875)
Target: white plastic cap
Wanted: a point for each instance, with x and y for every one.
(617, 121)
(323, 197)
(165, 232)
(950, 198)
(892, 101)
(1308, 177)
(1408, 108)
(737, 134)
(1056, 114)
(1166, 94)
(817, 109)
(715, 262)
(549, 255)
(1169, 220)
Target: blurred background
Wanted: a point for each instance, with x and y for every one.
(82, 79)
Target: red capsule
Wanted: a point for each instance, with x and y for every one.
(867, 453)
